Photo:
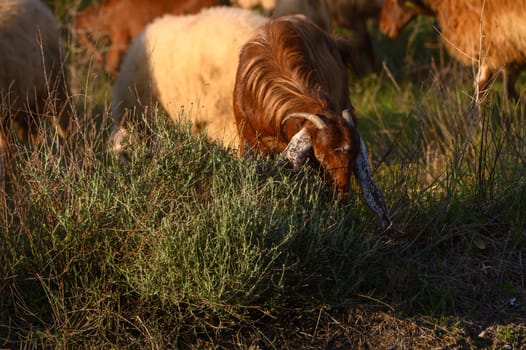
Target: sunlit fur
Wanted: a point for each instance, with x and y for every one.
(267, 5)
(291, 65)
(187, 64)
(490, 34)
(288, 73)
(121, 20)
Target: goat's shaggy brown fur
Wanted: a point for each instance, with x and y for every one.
(291, 97)
(489, 34)
(121, 20)
(290, 66)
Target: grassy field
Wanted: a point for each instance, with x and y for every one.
(190, 247)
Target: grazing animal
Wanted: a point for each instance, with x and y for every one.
(353, 15)
(187, 65)
(33, 81)
(121, 20)
(350, 14)
(316, 10)
(291, 97)
(488, 34)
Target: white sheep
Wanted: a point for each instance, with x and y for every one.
(187, 65)
(33, 83)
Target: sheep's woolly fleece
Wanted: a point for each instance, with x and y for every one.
(29, 38)
(31, 66)
(187, 64)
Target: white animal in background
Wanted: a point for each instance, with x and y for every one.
(33, 81)
(186, 65)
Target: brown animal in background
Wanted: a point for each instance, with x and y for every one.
(121, 20)
(315, 10)
(291, 97)
(350, 14)
(353, 15)
(488, 34)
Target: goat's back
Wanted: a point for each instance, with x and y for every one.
(290, 64)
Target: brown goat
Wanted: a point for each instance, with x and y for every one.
(489, 34)
(291, 96)
(121, 20)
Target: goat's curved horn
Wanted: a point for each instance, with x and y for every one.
(372, 195)
(315, 119)
(347, 115)
(297, 150)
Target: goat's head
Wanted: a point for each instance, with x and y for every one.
(396, 14)
(332, 139)
(340, 150)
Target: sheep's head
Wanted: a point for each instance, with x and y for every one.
(334, 141)
(396, 14)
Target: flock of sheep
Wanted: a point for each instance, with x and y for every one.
(274, 85)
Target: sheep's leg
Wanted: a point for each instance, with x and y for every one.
(117, 140)
(372, 195)
(64, 109)
(481, 83)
